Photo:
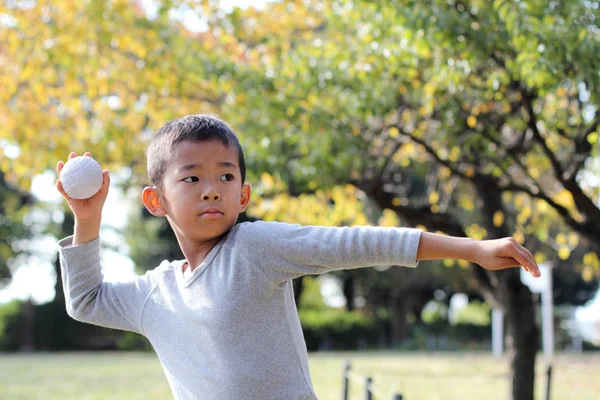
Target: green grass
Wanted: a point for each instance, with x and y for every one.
(420, 376)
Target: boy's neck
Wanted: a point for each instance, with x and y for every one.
(195, 253)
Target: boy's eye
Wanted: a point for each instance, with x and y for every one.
(190, 177)
(227, 177)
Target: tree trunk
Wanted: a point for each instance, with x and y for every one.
(59, 290)
(298, 285)
(398, 324)
(523, 335)
(28, 321)
(348, 290)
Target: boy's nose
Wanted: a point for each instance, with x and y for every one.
(211, 194)
(213, 197)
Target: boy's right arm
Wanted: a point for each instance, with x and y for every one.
(88, 298)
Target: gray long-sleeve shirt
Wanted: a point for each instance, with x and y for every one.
(230, 330)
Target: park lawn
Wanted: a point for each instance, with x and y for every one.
(424, 376)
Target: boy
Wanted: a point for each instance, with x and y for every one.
(223, 320)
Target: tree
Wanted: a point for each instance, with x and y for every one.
(97, 76)
(466, 118)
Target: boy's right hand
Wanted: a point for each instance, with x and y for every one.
(85, 209)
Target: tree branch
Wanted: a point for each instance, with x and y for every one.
(431, 151)
(583, 149)
(532, 123)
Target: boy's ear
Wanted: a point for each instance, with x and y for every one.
(151, 199)
(245, 197)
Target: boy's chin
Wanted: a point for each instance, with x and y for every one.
(212, 229)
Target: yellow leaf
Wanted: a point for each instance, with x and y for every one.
(535, 172)
(542, 206)
(498, 218)
(429, 88)
(540, 257)
(448, 262)
(393, 132)
(267, 181)
(587, 274)
(519, 237)
(389, 218)
(434, 197)
(360, 220)
(476, 232)
(564, 198)
(564, 252)
(444, 173)
(561, 239)
(466, 202)
(454, 154)
(573, 239)
(591, 259)
(472, 121)
(406, 116)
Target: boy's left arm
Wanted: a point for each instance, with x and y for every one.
(490, 254)
(286, 251)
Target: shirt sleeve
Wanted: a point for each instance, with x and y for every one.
(286, 251)
(90, 299)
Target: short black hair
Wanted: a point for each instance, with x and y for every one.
(194, 128)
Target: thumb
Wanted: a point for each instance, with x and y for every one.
(105, 182)
(102, 193)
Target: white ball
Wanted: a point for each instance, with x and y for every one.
(81, 177)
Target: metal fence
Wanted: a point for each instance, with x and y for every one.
(371, 389)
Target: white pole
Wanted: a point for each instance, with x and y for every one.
(547, 318)
(497, 332)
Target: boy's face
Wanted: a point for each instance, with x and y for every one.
(202, 192)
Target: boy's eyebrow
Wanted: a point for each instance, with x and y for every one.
(188, 167)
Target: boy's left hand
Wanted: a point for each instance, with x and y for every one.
(504, 253)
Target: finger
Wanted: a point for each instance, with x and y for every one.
(61, 190)
(59, 167)
(526, 261)
(87, 154)
(532, 267)
(72, 155)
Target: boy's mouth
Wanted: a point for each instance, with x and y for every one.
(211, 213)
